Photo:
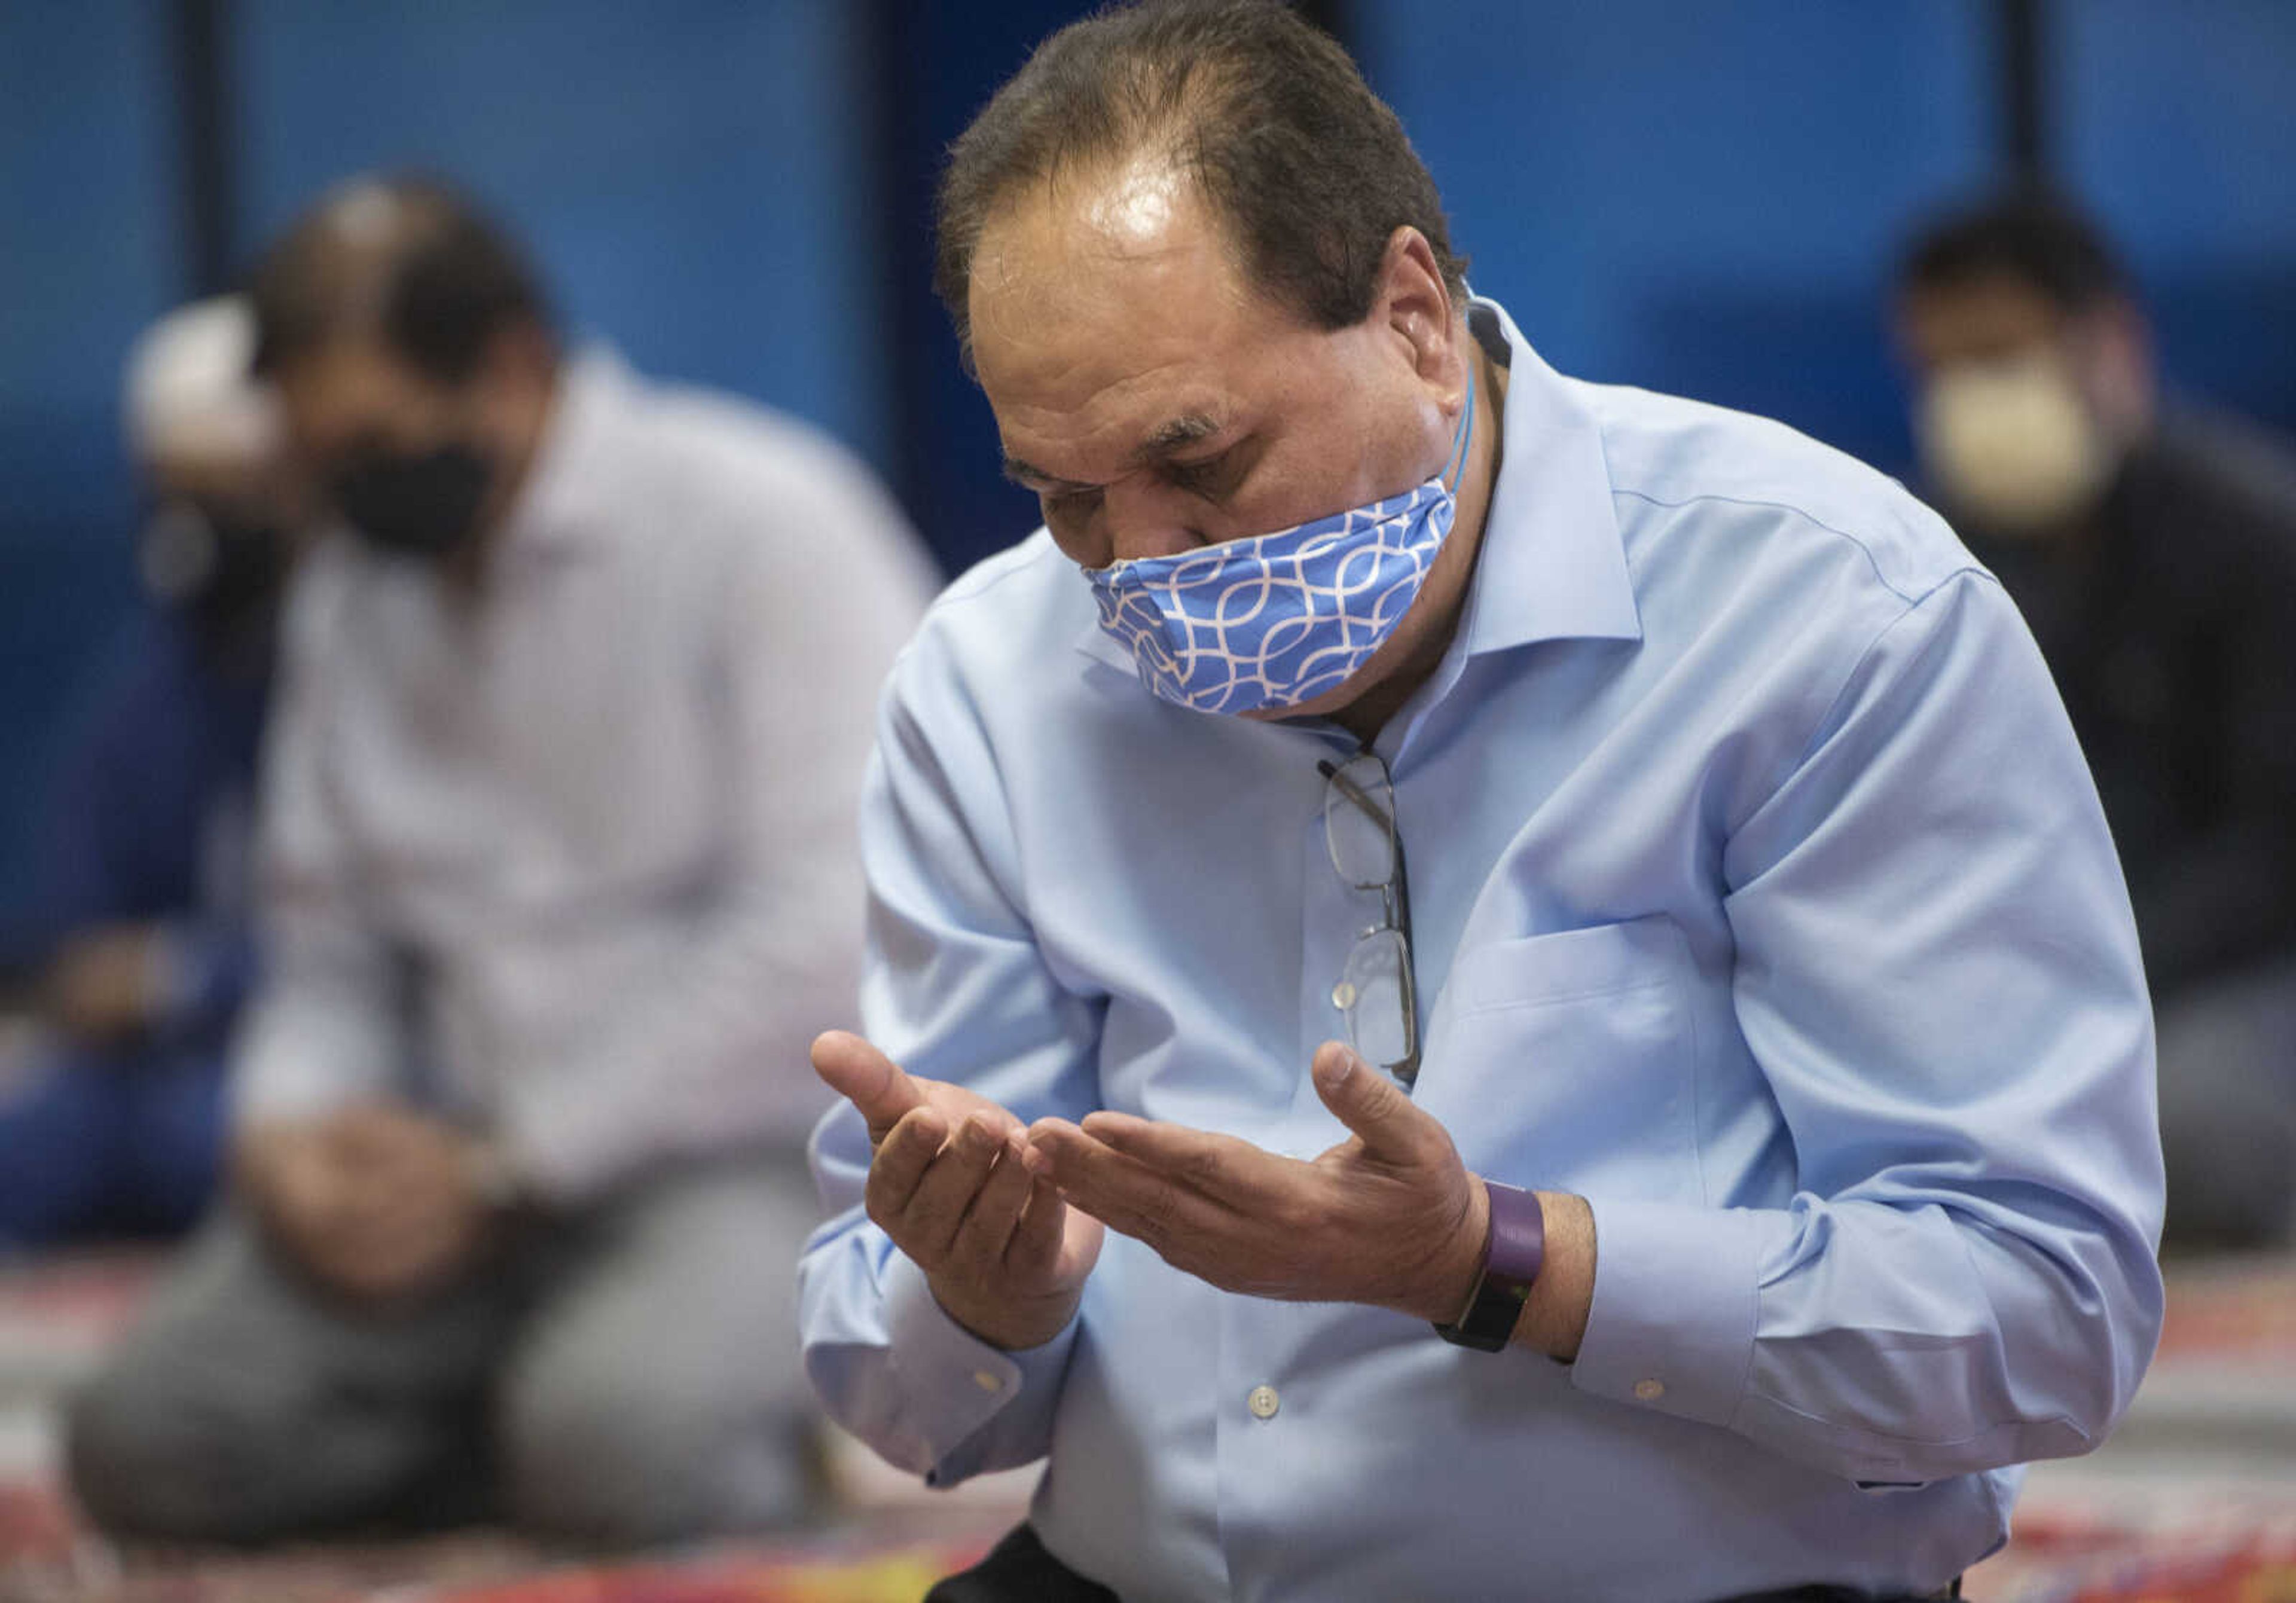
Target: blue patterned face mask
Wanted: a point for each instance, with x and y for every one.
(1276, 621)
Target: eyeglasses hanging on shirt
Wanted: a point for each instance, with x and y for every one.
(1376, 993)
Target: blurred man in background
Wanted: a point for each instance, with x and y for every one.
(133, 949)
(2154, 553)
(558, 882)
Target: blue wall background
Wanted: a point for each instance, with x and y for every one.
(1708, 198)
(1694, 197)
(87, 237)
(696, 178)
(2178, 125)
(1700, 198)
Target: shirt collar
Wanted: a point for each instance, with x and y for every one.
(559, 507)
(1550, 566)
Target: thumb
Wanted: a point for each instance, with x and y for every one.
(867, 1078)
(1366, 1100)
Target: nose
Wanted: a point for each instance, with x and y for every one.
(1146, 518)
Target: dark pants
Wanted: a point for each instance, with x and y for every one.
(110, 1143)
(2228, 1110)
(627, 1374)
(1020, 1571)
(1019, 1568)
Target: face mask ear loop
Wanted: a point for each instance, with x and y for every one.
(1456, 468)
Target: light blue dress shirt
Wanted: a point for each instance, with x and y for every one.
(1763, 900)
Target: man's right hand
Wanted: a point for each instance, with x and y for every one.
(100, 987)
(1005, 1257)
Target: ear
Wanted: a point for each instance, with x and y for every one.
(520, 354)
(2120, 341)
(1414, 302)
(1905, 322)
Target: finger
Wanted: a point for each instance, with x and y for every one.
(381, 1232)
(867, 1078)
(1370, 1104)
(936, 1209)
(352, 1205)
(374, 1130)
(395, 1254)
(347, 1136)
(433, 1208)
(1220, 1167)
(410, 1268)
(907, 1150)
(1124, 1193)
(376, 1219)
(344, 1272)
(958, 1103)
(1035, 1249)
(366, 1267)
(989, 1223)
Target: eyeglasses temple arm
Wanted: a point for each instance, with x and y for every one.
(1354, 793)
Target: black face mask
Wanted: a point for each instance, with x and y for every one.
(424, 505)
(221, 570)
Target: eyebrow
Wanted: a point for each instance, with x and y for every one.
(1177, 434)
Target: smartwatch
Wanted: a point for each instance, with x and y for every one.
(1513, 1253)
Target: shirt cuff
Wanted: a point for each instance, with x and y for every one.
(955, 1382)
(570, 1149)
(553, 1157)
(1676, 1294)
(267, 1086)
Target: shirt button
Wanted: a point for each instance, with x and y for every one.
(1650, 1391)
(1263, 1402)
(988, 1380)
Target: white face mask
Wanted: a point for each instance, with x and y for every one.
(2011, 442)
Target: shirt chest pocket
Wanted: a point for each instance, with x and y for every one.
(1569, 1061)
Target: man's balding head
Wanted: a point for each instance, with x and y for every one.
(1309, 174)
(405, 261)
(415, 356)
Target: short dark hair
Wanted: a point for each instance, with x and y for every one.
(1309, 172)
(2034, 236)
(409, 258)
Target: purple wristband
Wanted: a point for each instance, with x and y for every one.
(1513, 1254)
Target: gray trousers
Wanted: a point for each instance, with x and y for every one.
(2228, 1110)
(624, 1376)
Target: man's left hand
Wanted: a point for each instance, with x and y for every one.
(422, 1217)
(1389, 1217)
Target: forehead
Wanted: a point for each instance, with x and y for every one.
(1104, 304)
(351, 386)
(1996, 314)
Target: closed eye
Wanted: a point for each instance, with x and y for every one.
(1199, 478)
(1069, 504)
